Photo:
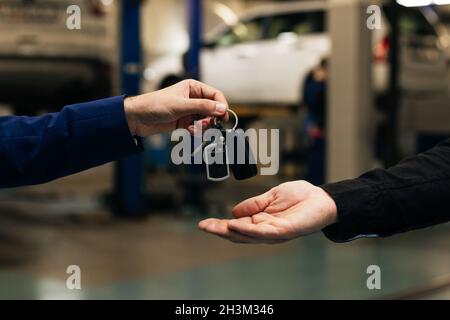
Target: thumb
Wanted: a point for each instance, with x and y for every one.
(253, 205)
(204, 107)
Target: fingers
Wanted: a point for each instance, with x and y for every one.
(200, 90)
(241, 230)
(204, 107)
(220, 228)
(202, 125)
(262, 217)
(253, 205)
(215, 226)
(262, 231)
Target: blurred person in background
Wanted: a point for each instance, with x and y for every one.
(35, 150)
(314, 93)
(411, 195)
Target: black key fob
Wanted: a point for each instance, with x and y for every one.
(216, 161)
(243, 163)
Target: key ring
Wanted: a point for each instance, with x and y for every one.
(235, 117)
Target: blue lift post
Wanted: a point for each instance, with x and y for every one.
(193, 185)
(129, 173)
(195, 36)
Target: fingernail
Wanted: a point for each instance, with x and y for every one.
(220, 107)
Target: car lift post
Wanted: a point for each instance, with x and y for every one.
(350, 110)
(195, 36)
(392, 155)
(129, 173)
(193, 186)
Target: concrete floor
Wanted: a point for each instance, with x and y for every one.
(47, 228)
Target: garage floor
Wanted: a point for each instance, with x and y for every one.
(45, 229)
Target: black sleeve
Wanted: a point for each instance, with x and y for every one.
(412, 195)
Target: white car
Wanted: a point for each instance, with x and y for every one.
(265, 56)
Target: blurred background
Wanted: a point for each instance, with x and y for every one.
(350, 90)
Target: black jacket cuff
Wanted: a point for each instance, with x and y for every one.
(348, 196)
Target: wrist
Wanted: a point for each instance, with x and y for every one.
(130, 114)
(329, 207)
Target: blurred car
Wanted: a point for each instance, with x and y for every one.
(265, 56)
(44, 65)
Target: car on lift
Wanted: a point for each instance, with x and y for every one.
(44, 65)
(265, 55)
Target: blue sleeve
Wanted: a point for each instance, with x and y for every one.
(35, 150)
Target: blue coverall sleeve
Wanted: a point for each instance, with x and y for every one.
(35, 150)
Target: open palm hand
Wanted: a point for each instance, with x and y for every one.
(283, 213)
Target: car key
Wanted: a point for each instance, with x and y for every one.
(243, 164)
(216, 154)
(216, 160)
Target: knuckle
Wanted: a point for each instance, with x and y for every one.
(185, 82)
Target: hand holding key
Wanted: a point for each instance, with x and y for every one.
(173, 108)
